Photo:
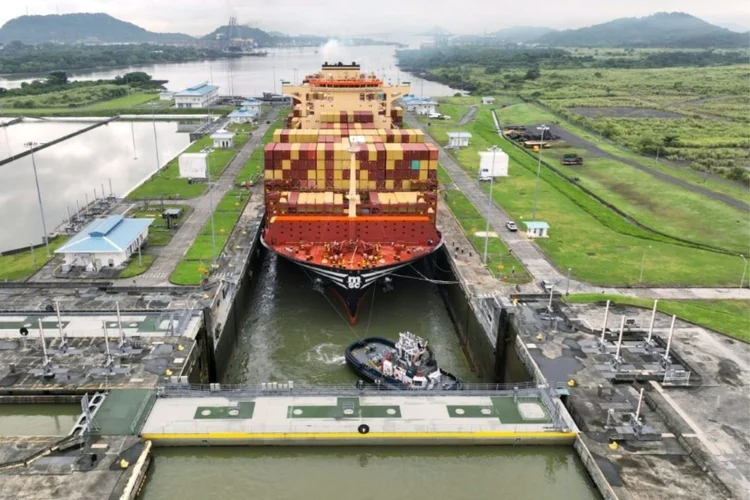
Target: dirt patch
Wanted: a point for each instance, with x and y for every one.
(729, 372)
(625, 112)
(627, 191)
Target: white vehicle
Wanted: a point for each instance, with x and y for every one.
(435, 116)
(445, 117)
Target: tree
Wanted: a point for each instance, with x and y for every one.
(647, 145)
(57, 78)
(532, 74)
(671, 141)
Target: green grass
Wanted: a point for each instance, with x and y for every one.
(729, 317)
(82, 100)
(189, 272)
(254, 165)
(599, 246)
(202, 247)
(19, 266)
(167, 184)
(134, 269)
(503, 265)
(159, 235)
(234, 201)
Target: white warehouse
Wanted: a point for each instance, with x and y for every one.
(197, 96)
(493, 164)
(193, 165)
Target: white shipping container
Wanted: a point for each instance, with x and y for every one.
(193, 165)
(489, 167)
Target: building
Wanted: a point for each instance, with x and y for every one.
(493, 164)
(488, 100)
(104, 242)
(166, 95)
(242, 115)
(197, 96)
(536, 229)
(458, 139)
(420, 105)
(193, 165)
(223, 139)
(252, 105)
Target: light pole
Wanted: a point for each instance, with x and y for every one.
(489, 204)
(542, 129)
(567, 286)
(643, 263)
(31, 146)
(744, 270)
(156, 141)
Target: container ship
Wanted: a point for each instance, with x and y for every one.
(349, 195)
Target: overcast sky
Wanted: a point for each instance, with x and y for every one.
(198, 17)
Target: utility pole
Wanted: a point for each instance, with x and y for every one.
(156, 141)
(489, 204)
(567, 286)
(542, 129)
(31, 146)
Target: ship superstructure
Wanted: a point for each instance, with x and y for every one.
(349, 195)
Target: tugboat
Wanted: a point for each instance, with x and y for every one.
(406, 365)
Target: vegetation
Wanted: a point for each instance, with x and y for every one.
(134, 268)
(73, 28)
(198, 258)
(730, 317)
(599, 245)
(17, 57)
(254, 165)
(500, 261)
(159, 234)
(19, 266)
(167, 184)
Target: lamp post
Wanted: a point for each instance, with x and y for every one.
(489, 204)
(210, 202)
(31, 146)
(744, 270)
(643, 263)
(156, 141)
(542, 129)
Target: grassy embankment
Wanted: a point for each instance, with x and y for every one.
(711, 103)
(254, 165)
(729, 317)
(19, 266)
(599, 245)
(167, 183)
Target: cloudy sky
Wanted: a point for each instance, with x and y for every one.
(198, 17)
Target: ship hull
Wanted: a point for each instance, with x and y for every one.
(350, 285)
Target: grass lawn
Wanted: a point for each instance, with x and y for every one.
(597, 244)
(730, 317)
(19, 266)
(500, 262)
(167, 183)
(158, 234)
(84, 100)
(234, 201)
(254, 165)
(190, 272)
(134, 269)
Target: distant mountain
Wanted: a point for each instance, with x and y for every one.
(259, 36)
(73, 28)
(665, 29)
(522, 34)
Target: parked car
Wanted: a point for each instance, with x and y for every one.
(511, 226)
(547, 285)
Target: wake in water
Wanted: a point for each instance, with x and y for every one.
(327, 353)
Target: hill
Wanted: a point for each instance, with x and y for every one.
(73, 28)
(262, 38)
(664, 29)
(522, 34)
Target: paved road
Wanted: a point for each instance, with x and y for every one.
(532, 257)
(168, 257)
(469, 116)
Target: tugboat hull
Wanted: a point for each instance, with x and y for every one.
(358, 363)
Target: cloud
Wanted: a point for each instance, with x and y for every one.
(341, 17)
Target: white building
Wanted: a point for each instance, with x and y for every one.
(193, 165)
(104, 242)
(197, 96)
(252, 105)
(536, 229)
(420, 105)
(488, 100)
(223, 139)
(166, 95)
(242, 115)
(493, 164)
(458, 139)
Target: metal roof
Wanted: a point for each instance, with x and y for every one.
(459, 135)
(222, 134)
(243, 112)
(110, 234)
(197, 90)
(535, 224)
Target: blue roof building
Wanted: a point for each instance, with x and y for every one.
(243, 115)
(197, 96)
(536, 229)
(107, 241)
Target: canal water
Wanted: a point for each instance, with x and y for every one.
(291, 333)
(73, 169)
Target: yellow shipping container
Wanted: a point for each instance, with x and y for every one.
(372, 152)
(278, 175)
(339, 184)
(418, 135)
(432, 165)
(423, 175)
(390, 164)
(424, 165)
(328, 197)
(277, 135)
(372, 185)
(268, 174)
(363, 175)
(389, 184)
(321, 184)
(338, 175)
(286, 164)
(406, 184)
(338, 199)
(311, 175)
